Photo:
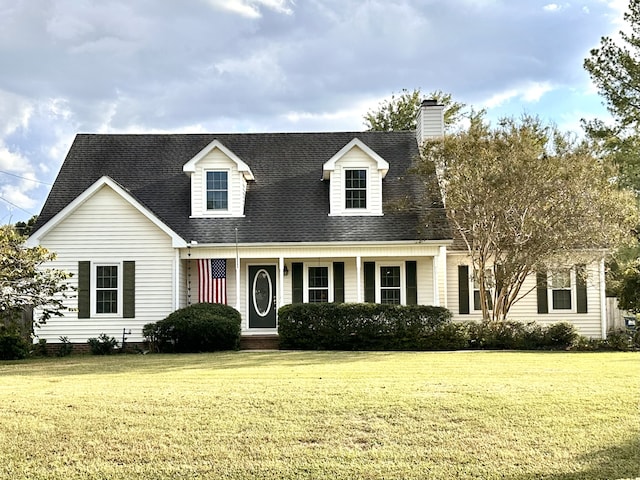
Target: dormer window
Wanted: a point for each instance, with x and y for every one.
(217, 190)
(218, 182)
(355, 176)
(355, 189)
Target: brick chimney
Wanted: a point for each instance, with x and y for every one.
(430, 121)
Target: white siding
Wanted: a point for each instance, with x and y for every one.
(430, 123)
(217, 160)
(356, 158)
(526, 309)
(106, 228)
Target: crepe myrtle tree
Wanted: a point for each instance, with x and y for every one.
(522, 196)
(400, 112)
(25, 283)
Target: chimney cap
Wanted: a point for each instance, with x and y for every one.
(429, 102)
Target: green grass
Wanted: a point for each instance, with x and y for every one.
(309, 415)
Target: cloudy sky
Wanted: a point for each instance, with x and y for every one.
(116, 66)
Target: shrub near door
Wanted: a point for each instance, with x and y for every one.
(202, 327)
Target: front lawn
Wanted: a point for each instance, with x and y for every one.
(310, 415)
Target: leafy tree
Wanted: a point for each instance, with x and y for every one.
(25, 228)
(615, 69)
(523, 196)
(629, 279)
(25, 283)
(400, 112)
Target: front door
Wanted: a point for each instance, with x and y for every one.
(262, 296)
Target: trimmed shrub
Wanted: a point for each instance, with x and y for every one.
(511, 335)
(561, 335)
(620, 339)
(367, 326)
(202, 327)
(103, 345)
(12, 345)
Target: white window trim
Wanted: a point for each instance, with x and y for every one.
(367, 180)
(473, 289)
(305, 280)
(550, 289)
(403, 281)
(344, 211)
(94, 285)
(216, 213)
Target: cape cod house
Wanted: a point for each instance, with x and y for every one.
(151, 223)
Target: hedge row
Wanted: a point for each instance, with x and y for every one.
(365, 326)
(392, 327)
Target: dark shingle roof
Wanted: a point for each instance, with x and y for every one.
(287, 202)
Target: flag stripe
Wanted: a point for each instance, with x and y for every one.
(212, 280)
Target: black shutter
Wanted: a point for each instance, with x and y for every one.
(370, 282)
(581, 289)
(463, 289)
(338, 282)
(297, 282)
(84, 289)
(411, 273)
(129, 289)
(541, 290)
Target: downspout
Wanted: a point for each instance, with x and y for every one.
(603, 300)
(237, 274)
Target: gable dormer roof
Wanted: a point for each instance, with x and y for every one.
(287, 202)
(243, 168)
(330, 165)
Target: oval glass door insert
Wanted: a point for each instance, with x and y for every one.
(262, 292)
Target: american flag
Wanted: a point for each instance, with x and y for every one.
(212, 280)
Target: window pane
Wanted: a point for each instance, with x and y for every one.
(318, 284)
(217, 191)
(390, 296)
(561, 279)
(319, 277)
(562, 299)
(318, 296)
(106, 301)
(390, 277)
(107, 276)
(390, 285)
(107, 289)
(356, 188)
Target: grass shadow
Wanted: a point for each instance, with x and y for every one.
(615, 462)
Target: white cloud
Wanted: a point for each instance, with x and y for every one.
(551, 7)
(251, 8)
(531, 92)
(15, 112)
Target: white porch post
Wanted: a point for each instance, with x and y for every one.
(281, 281)
(359, 278)
(603, 300)
(442, 257)
(436, 286)
(237, 281)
